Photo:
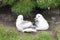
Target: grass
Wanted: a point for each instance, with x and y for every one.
(23, 7)
(12, 34)
(58, 34)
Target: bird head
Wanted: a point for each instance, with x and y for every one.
(38, 17)
(20, 17)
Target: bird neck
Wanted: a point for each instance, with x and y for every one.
(19, 20)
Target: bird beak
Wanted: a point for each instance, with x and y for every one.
(35, 18)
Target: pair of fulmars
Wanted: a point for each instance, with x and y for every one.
(27, 26)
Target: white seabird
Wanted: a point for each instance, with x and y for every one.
(24, 26)
(41, 23)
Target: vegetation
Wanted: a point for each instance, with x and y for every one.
(8, 2)
(23, 6)
(58, 34)
(48, 3)
(7, 33)
(26, 6)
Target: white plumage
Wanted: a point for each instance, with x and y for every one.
(24, 26)
(41, 23)
(29, 30)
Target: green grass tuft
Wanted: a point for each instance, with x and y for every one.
(12, 34)
(23, 7)
(58, 34)
(48, 3)
(10, 2)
